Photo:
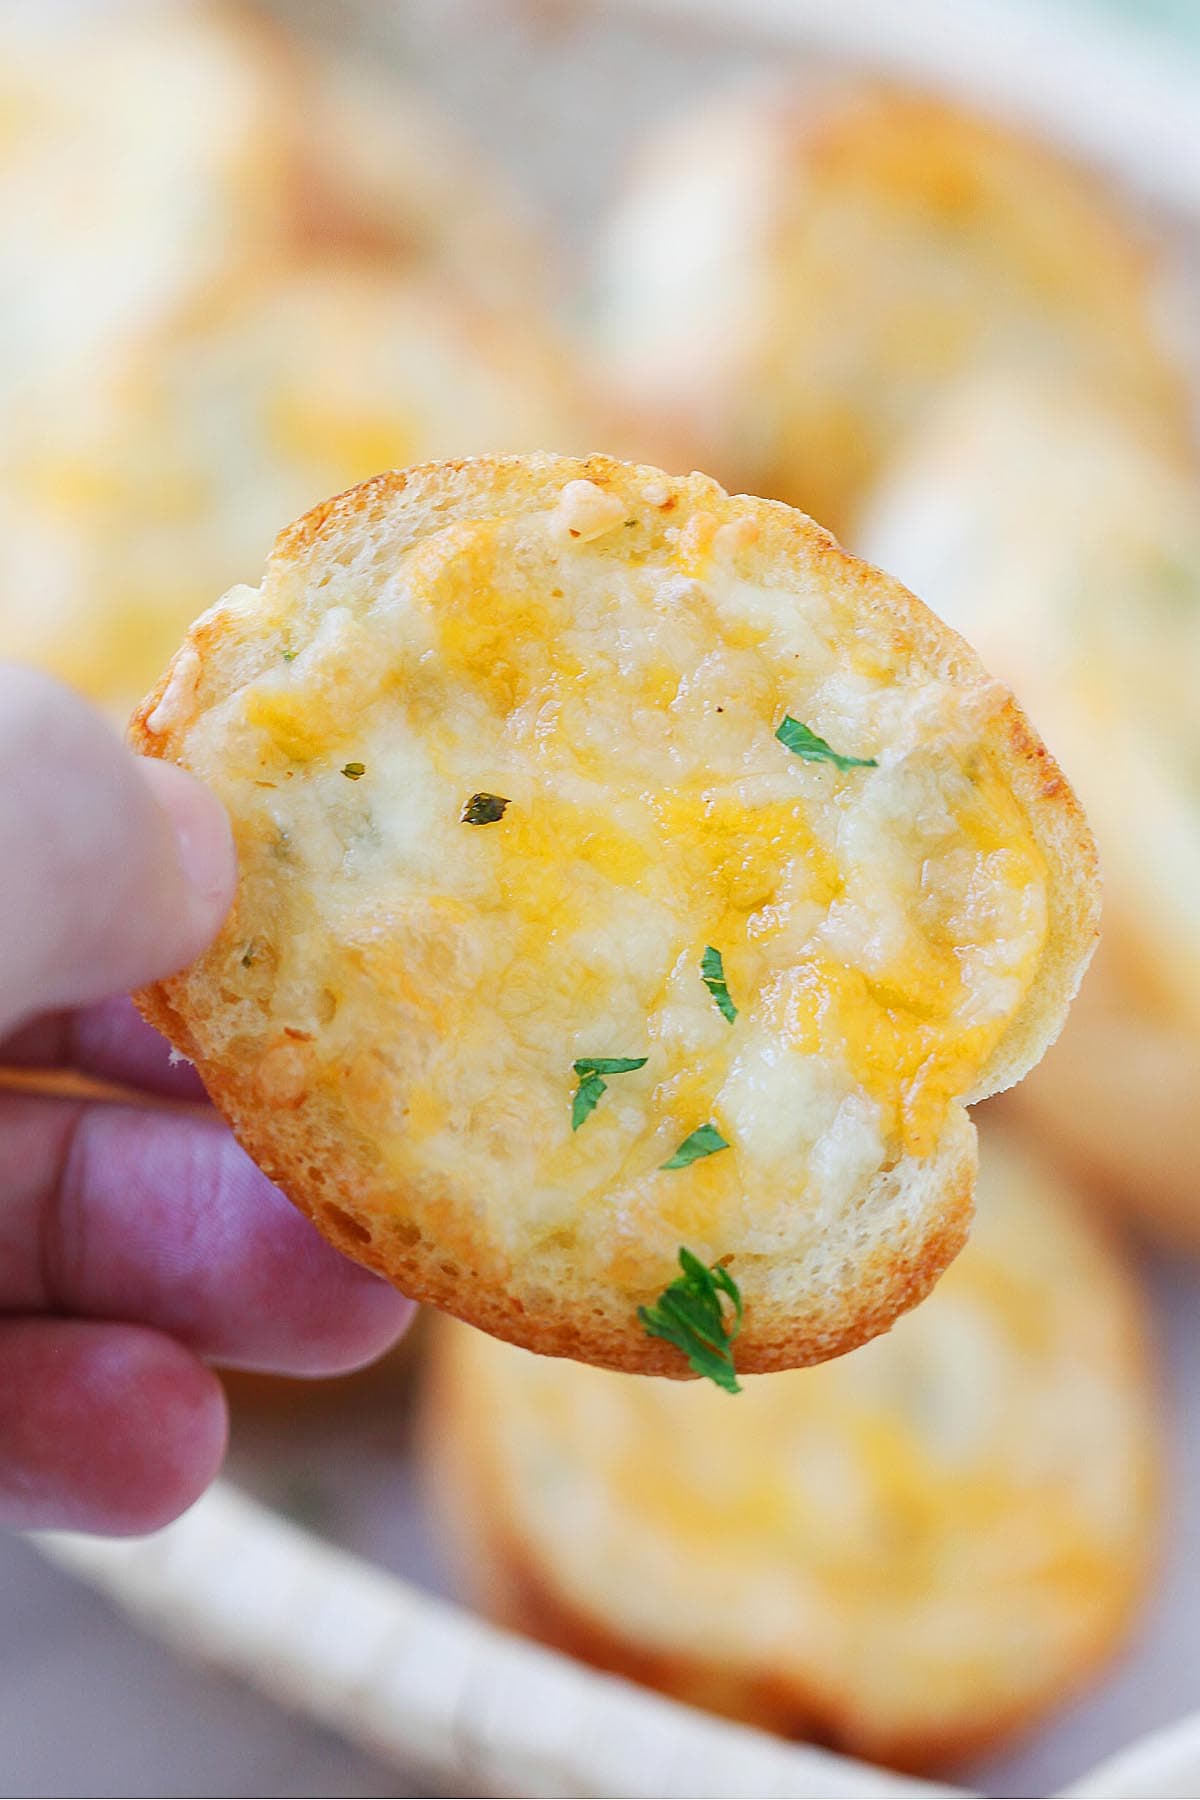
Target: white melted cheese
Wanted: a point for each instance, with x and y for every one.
(620, 690)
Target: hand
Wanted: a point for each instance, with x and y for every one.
(136, 1240)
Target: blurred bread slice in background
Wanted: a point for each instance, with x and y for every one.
(380, 169)
(148, 150)
(237, 275)
(906, 1554)
(791, 277)
(1065, 545)
(123, 514)
(143, 150)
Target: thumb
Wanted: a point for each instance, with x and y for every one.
(114, 870)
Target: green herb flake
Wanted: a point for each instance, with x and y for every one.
(609, 1065)
(484, 809)
(354, 771)
(290, 655)
(802, 742)
(690, 1315)
(591, 1071)
(586, 1098)
(706, 1140)
(712, 973)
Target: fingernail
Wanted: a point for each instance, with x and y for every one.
(203, 838)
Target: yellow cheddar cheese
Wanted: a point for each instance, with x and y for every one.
(884, 905)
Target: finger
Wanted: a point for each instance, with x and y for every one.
(107, 1428)
(114, 869)
(109, 1040)
(117, 1213)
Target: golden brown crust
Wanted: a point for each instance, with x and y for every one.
(329, 1178)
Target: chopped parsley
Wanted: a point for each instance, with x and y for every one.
(484, 809)
(712, 973)
(591, 1071)
(802, 742)
(354, 771)
(586, 1098)
(689, 1314)
(289, 655)
(706, 1140)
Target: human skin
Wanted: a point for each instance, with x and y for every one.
(137, 1241)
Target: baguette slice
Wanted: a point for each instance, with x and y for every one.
(129, 510)
(906, 1554)
(128, 513)
(500, 743)
(151, 153)
(793, 276)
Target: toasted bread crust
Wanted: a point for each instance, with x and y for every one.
(329, 1177)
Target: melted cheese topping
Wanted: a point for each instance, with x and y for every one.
(619, 682)
(942, 1521)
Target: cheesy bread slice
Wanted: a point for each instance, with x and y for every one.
(127, 511)
(625, 869)
(908, 1554)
